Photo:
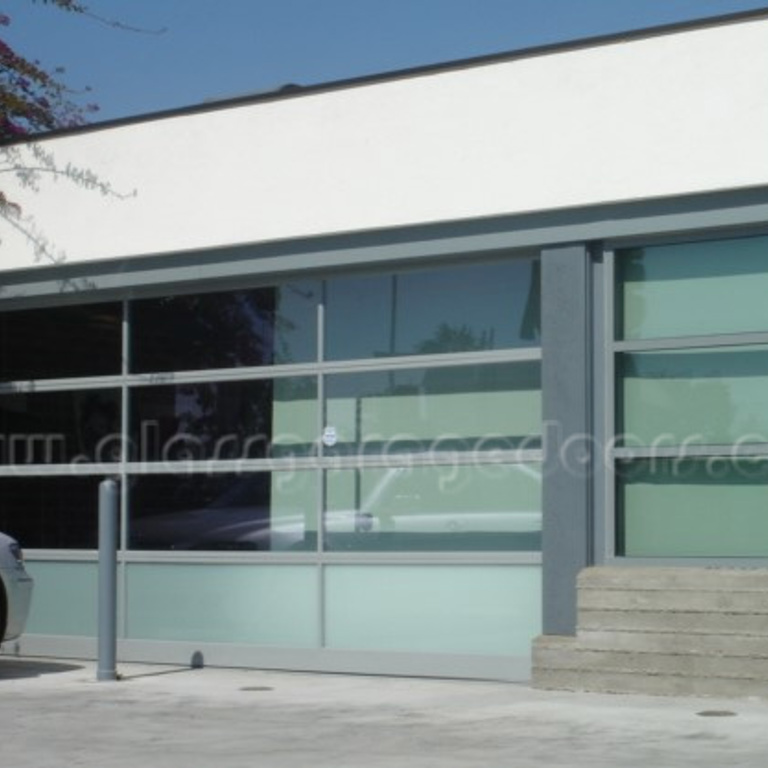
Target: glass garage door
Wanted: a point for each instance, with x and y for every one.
(690, 354)
(333, 471)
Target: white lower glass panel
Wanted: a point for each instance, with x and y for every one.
(251, 604)
(433, 609)
(65, 598)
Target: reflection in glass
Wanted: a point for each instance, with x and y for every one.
(60, 427)
(434, 508)
(710, 507)
(707, 396)
(50, 512)
(224, 420)
(61, 342)
(481, 407)
(256, 511)
(260, 326)
(693, 289)
(450, 309)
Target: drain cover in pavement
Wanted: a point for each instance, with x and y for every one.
(716, 713)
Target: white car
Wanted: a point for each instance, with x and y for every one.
(16, 589)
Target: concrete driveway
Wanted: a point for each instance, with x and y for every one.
(54, 715)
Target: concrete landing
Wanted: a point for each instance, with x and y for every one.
(54, 715)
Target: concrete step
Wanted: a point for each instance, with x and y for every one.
(673, 631)
(670, 578)
(643, 683)
(679, 664)
(716, 622)
(688, 601)
(733, 644)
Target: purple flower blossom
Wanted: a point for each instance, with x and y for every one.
(11, 128)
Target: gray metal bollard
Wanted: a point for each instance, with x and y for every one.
(108, 519)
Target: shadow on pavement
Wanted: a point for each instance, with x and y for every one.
(196, 661)
(158, 673)
(15, 669)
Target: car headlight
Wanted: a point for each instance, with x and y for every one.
(17, 552)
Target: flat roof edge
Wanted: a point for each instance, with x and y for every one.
(291, 91)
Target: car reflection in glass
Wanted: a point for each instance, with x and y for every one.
(235, 517)
(434, 508)
(402, 509)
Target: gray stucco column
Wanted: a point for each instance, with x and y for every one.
(566, 385)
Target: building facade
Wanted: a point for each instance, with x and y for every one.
(382, 365)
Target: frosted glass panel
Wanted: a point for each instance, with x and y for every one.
(694, 288)
(434, 609)
(65, 598)
(466, 408)
(687, 508)
(256, 604)
(486, 507)
(712, 396)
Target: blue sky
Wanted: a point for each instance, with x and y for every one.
(219, 48)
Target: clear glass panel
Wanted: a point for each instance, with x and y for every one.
(693, 508)
(433, 609)
(261, 326)
(446, 508)
(707, 396)
(50, 512)
(258, 511)
(693, 288)
(64, 600)
(481, 407)
(61, 342)
(450, 309)
(60, 427)
(224, 420)
(272, 605)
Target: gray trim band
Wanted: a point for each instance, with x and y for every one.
(683, 343)
(95, 281)
(248, 373)
(728, 451)
(365, 558)
(447, 458)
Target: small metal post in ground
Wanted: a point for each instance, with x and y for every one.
(108, 517)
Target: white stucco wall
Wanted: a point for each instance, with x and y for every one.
(673, 114)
